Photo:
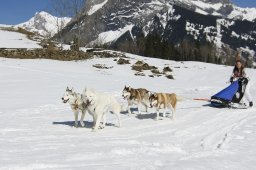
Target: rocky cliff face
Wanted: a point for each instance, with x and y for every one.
(215, 21)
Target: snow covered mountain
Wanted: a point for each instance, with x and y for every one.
(44, 24)
(243, 13)
(215, 21)
(223, 8)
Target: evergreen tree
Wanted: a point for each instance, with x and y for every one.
(149, 46)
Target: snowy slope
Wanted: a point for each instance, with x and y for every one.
(96, 7)
(243, 13)
(36, 132)
(44, 24)
(10, 39)
(110, 36)
(216, 9)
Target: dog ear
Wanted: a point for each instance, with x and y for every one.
(155, 95)
(67, 89)
(150, 93)
(88, 89)
(82, 96)
(85, 89)
(92, 90)
(72, 89)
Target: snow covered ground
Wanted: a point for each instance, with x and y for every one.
(36, 128)
(9, 39)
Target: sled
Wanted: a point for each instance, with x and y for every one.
(230, 96)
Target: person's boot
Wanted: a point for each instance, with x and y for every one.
(251, 104)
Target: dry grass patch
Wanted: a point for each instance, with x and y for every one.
(170, 76)
(140, 66)
(139, 74)
(155, 71)
(122, 61)
(167, 69)
(102, 66)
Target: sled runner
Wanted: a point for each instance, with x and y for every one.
(231, 95)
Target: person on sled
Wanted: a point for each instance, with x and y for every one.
(240, 75)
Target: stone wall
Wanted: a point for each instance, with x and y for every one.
(65, 55)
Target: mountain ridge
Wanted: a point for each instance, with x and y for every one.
(44, 24)
(174, 20)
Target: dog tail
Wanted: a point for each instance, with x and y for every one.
(179, 98)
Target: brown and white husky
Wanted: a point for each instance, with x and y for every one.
(164, 101)
(136, 97)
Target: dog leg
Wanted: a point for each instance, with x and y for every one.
(157, 114)
(97, 123)
(172, 110)
(146, 106)
(103, 121)
(164, 113)
(118, 119)
(129, 110)
(76, 118)
(94, 116)
(82, 119)
(139, 112)
(94, 119)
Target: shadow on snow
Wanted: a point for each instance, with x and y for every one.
(72, 123)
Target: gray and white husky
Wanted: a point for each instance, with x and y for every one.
(77, 104)
(136, 97)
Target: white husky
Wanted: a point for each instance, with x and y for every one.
(99, 104)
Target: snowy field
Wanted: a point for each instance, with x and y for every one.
(10, 39)
(36, 127)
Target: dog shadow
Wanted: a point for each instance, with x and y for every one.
(72, 124)
(146, 116)
(133, 110)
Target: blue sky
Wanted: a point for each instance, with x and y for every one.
(18, 11)
(245, 3)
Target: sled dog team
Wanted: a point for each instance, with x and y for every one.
(99, 104)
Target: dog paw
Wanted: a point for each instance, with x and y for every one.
(101, 126)
(82, 124)
(156, 119)
(130, 114)
(76, 125)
